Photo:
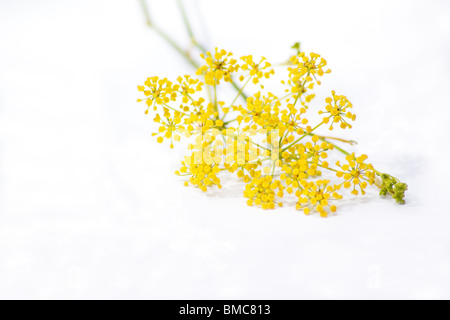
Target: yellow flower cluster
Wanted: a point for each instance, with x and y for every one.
(202, 175)
(219, 65)
(315, 152)
(256, 70)
(317, 195)
(157, 92)
(305, 72)
(356, 173)
(261, 191)
(262, 111)
(170, 126)
(268, 141)
(337, 110)
(188, 86)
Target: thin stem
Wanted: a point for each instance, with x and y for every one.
(185, 20)
(228, 122)
(328, 168)
(188, 26)
(146, 14)
(216, 108)
(306, 134)
(334, 145)
(240, 91)
(258, 145)
(237, 96)
(236, 87)
(301, 93)
(273, 169)
(208, 92)
(296, 99)
(351, 142)
(167, 106)
(281, 99)
(166, 37)
(379, 174)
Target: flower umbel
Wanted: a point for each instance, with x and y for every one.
(317, 195)
(261, 192)
(219, 65)
(256, 70)
(157, 91)
(356, 173)
(307, 68)
(337, 110)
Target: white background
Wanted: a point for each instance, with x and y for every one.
(89, 205)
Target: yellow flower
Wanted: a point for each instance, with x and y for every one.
(188, 86)
(261, 110)
(295, 171)
(317, 195)
(337, 110)
(356, 173)
(256, 70)
(243, 171)
(157, 92)
(202, 175)
(171, 126)
(306, 68)
(218, 66)
(201, 118)
(316, 152)
(260, 191)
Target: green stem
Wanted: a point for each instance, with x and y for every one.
(300, 93)
(169, 40)
(296, 99)
(167, 106)
(188, 26)
(259, 145)
(306, 134)
(351, 142)
(216, 108)
(335, 146)
(240, 91)
(228, 122)
(185, 20)
(380, 173)
(236, 87)
(281, 99)
(328, 168)
(146, 14)
(273, 169)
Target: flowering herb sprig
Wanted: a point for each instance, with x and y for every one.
(224, 133)
(267, 140)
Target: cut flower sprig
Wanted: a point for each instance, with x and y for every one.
(267, 140)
